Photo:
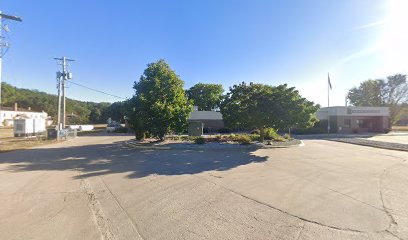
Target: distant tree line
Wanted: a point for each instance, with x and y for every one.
(78, 112)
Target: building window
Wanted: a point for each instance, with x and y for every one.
(360, 123)
(347, 123)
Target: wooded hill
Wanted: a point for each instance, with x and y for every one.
(78, 112)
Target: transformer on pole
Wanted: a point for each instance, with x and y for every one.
(62, 77)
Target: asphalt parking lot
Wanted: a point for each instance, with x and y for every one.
(95, 188)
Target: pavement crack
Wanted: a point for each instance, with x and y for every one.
(134, 225)
(97, 212)
(96, 209)
(278, 209)
(332, 190)
(393, 222)
(394, 235)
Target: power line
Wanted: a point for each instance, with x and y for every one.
(96, 90)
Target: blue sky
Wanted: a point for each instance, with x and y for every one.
(212, 41)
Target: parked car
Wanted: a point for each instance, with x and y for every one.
(113, 126)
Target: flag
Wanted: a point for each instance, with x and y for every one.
(328, 81)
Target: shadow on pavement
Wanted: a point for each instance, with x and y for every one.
(95, 160)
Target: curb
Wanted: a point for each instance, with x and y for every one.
(206, 147)
(192, 147)
(371, 145)
(301, 144)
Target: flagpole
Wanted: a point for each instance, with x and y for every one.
(328, 103)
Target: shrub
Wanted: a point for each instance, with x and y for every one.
(254, 137)
(192, 138)
(240, 138)
(218, 138)
(287, 136)
(255, 131)
(223, 138)
(174, 138)
(279, 139)
(185, 138)
(199, 140)
(243, 139)
(140, 135)
(270, 134)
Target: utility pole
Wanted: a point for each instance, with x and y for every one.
(62, 77)
(4, 45)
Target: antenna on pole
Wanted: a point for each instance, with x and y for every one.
(62, 77)
(4, 45)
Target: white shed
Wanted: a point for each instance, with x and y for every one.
(28, 126)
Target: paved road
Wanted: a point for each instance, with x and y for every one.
(95, 188)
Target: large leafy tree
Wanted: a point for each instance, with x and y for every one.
(206, 96)
(369, 93)
(160, 103)
(392, 92)
(260, 106)
(293, 110)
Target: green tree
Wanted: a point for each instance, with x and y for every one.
(294, 111)
(206, 96)
(261, 106)
(95, 115)
(136, 117)
(369, 93)
(392, 92)
(161, 104)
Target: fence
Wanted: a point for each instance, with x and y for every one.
(64, 134)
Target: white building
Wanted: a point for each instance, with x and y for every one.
(8, 114)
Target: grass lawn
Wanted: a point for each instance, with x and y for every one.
(6, 133)
(10, 144)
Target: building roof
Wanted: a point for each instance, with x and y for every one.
(18, 109)
(205, 115)
(11, 109)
